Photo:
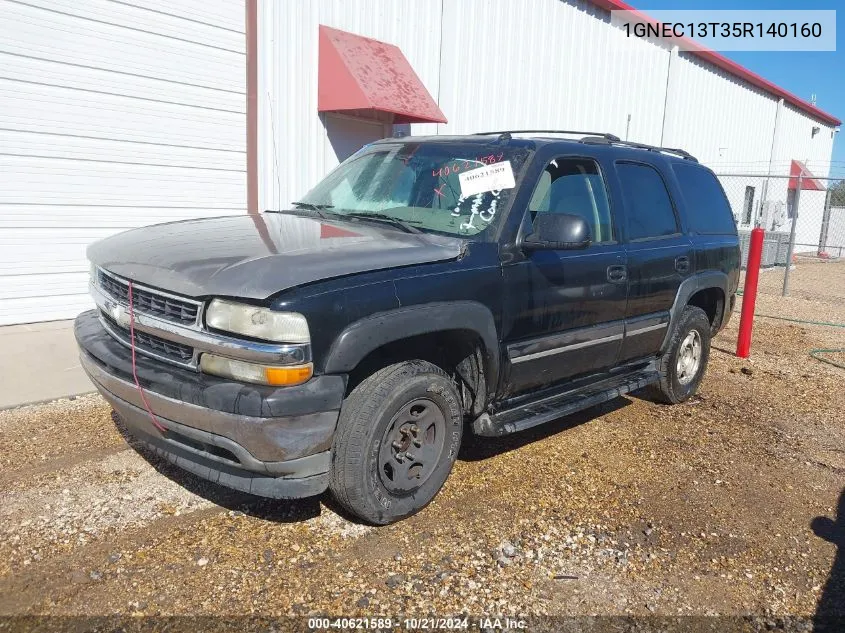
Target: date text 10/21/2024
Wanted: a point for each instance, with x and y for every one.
(418, 624)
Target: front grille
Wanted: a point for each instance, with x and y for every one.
(146, 342)
(149, 302)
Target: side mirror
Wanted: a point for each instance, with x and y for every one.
(558, 231)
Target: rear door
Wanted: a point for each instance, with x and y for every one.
(567, 307)
(711, 221)
(659, 256)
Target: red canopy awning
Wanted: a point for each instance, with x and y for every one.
(808, 181)
(361, 74)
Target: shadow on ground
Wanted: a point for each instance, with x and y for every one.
(277, 510)
(830, 611)
(476, 448)
(293, 510)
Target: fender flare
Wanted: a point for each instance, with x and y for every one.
(688, 287)
(362, 337)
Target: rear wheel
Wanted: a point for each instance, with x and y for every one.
(398, 435)
(683, 365)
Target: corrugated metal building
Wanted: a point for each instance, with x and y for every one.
(120, 114)
(112, 115)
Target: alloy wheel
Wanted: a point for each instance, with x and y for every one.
(689, 357)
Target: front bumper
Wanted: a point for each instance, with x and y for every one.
(268, 441)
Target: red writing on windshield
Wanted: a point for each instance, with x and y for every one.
(465, 164)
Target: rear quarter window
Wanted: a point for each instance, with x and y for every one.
(650, 212)
(707, 206)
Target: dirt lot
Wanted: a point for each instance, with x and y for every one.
(631, 508)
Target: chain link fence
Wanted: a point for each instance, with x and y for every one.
(802, 278)
(803, 216)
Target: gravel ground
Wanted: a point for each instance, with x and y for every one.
(630, 508)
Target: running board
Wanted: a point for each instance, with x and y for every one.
(556, 406)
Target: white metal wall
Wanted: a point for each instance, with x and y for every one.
(294, 148)
(495, 64)
(723, 121)
(547, 64)
(490, 73)
(112, 115)
(796, 141)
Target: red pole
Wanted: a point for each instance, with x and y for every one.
(749, 293)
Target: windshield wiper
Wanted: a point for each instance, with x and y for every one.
(313, 207)
(387, 219)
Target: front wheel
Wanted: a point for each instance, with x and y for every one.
(682, 367)
(397, 437)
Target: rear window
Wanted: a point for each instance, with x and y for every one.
(707, 205)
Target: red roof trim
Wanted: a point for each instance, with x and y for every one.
(730, 66)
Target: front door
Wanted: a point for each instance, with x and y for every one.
(660, 257)
(567, 307)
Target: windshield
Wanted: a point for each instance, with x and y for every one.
(459, 189)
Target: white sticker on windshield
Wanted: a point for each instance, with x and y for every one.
(488, 178)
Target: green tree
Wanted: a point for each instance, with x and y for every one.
(837, 194)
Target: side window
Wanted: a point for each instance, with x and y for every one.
(575, 186)
(648, 205)
(708, 210)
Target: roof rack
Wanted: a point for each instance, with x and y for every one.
(679, 152)
(605, 135)
(597, 138)
(651, 148)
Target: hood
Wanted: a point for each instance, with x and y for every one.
(256, 256)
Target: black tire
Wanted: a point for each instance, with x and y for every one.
(677, 385)
(372, 476)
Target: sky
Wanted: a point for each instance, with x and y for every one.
(801, 73)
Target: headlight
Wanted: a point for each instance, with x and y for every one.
(257, 322)
(251, 372)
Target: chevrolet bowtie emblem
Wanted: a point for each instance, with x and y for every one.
(119, 314)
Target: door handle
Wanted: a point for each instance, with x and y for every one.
(682, 264)
(617, 273)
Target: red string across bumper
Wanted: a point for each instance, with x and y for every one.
(154, 419)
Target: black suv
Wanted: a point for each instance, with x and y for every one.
(494, 282)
